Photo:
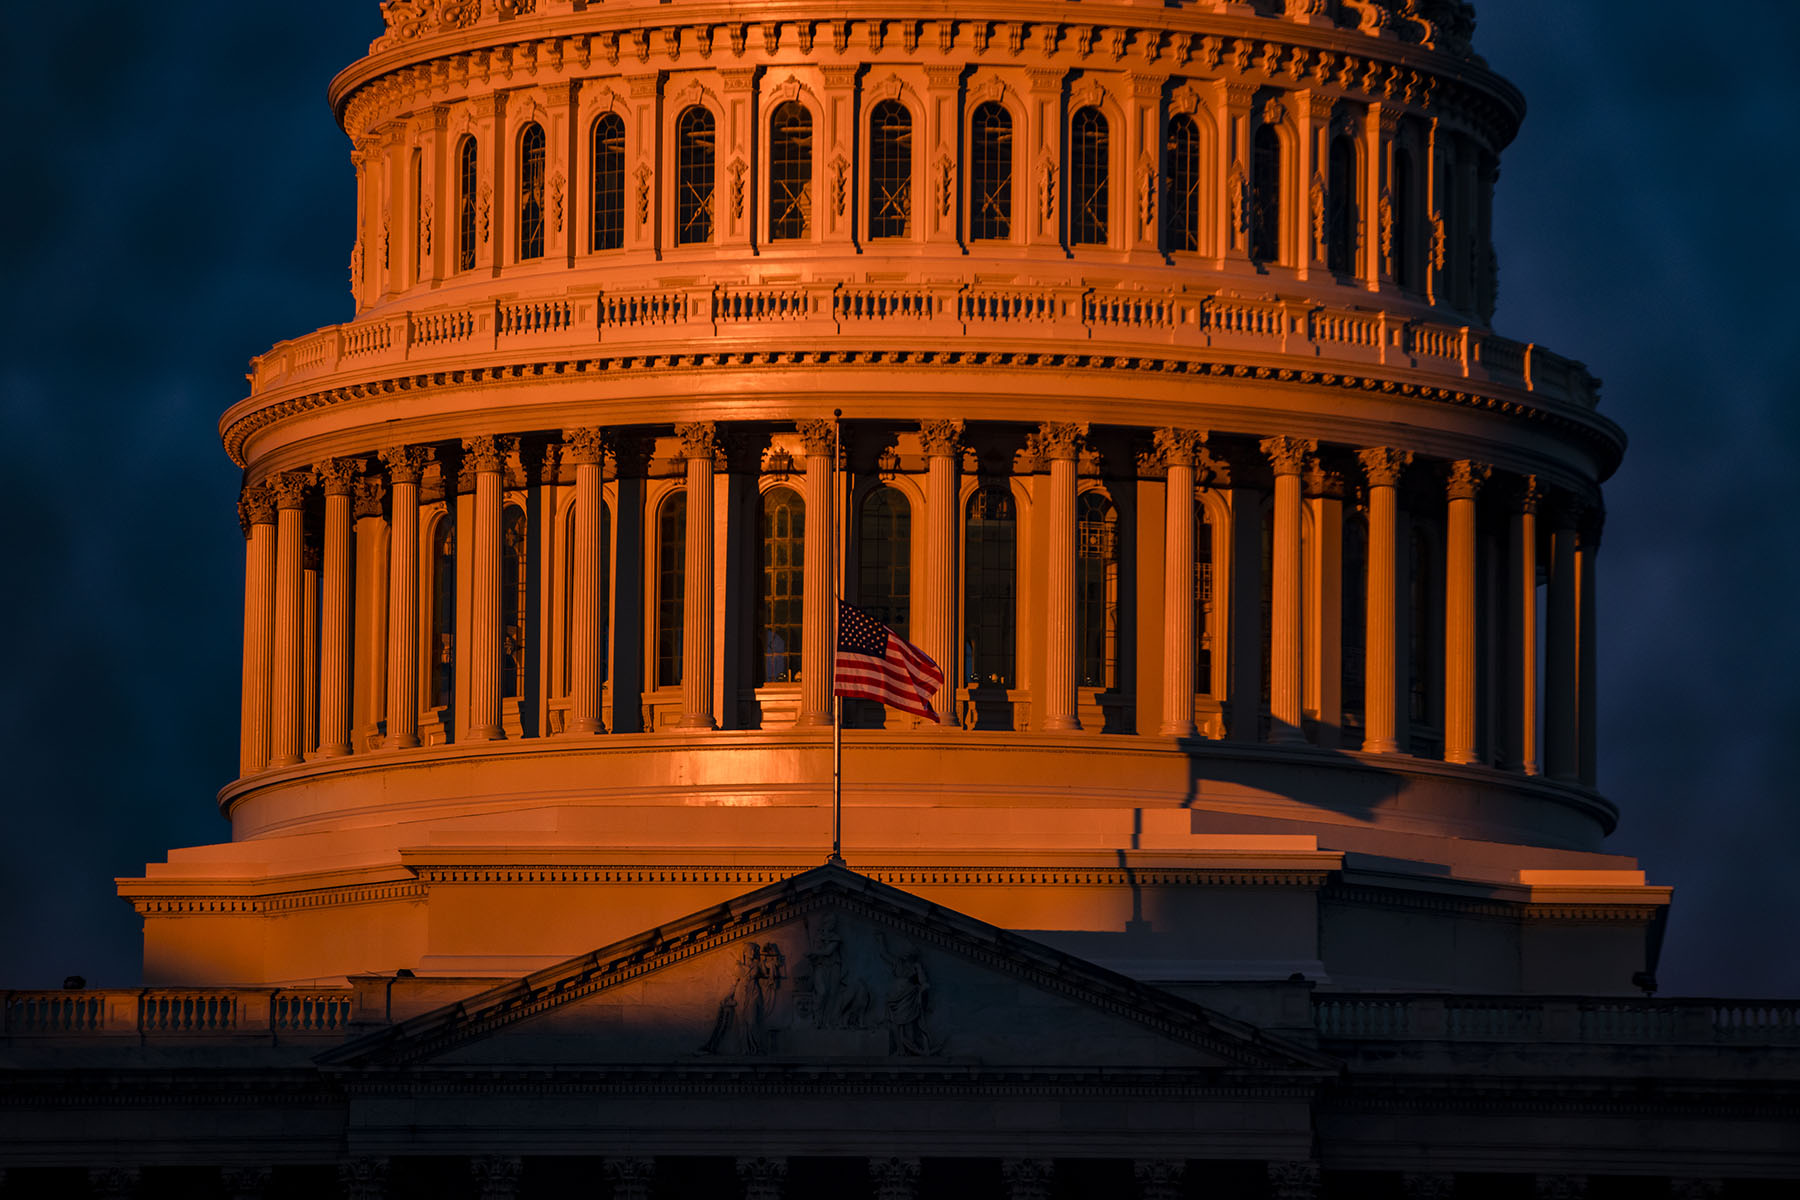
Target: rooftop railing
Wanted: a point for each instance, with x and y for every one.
(1377, 1017)
(275, 1014)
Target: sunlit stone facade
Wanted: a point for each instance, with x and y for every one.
(1133, 360)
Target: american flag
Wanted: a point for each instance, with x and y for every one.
(875, 663)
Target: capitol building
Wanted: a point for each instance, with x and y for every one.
(1135, 362)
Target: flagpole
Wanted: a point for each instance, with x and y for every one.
(837, 588)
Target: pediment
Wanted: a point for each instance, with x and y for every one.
(828, 968)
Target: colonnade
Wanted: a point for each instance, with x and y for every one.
(304, 653)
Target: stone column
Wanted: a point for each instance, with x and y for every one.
(942, 443)
(1293, 1180)
(1587, 708)
(1562, 755)
(894, 1178)
(486, 456)
(1159, 1179)
(256, 512)
(404, 464)
(818, 640)
(1028, 1178)
(631, 1178)
(368, 706)
(1522, 631)
(1466, 478)
(1323, 611)
(496, 1176)
(311, 559)
(1287, 455)
(1381, 674)
(585, 448)
(699, 442)
(1179, 450)
(764, 1178)
(337, 478)
(1243, 604)
(363, 1178)
(1061, 445)
(285, 729)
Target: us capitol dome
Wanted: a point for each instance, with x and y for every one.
(1133, 360)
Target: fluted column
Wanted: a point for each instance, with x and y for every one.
(337, 478)
(942, 443)
(1587, 697)
(1522, 631)
(369, 612)
(585, 448)
(1179, 450)
(311, 559)
(1287, 455)
(285, 729)
(699, 442)
(1465, 483)
(1381, 675)
(404, 464)
(1562, 753)
(819, 625)
(256, 512)
(486, 455)
(1060, 443)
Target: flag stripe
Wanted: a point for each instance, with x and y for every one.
(875, 663)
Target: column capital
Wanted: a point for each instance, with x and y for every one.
(1159, 1178)
(941, 439)
(699, 439)
(1417, 1186)
(371, 494)
(312, 556)
(1058, 439)
(1466, 478)
(487, 452)
(631, 1178)
(1287, 454)
(1384, 465)
(1027, 1178)
(337, 476)
(1180, 446)
(819, 437)
(1293, 1180)
(586, 445)
(763, 1177)
(1525, 493)
(256, 506)
(1322, 479)
(548, 464)
(290, 488)
(405, 463)
(496, 1175)
(894, 1178)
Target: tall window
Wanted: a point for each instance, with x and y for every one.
(609, 182)
(1340, 218)
(890, 170)
(515, 602)
(1402, 231)
(1265, 195)
(781, 603)
(990, 567)
(441, 648)
(884, 559)
(568, 597)
(531, 192)
(671, 588)
(1087, 178)
(1181, 207)
(1355, 606)
(467, 161)
(790, 172)
(1097, 589)
(1206, 619)
(990, 172)
(694, 176)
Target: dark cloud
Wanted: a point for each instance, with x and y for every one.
(180, 200)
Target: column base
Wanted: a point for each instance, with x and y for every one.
(285, 760)
(584, 727)
(1462, 759)
(1062, 725)
(403, 741)
(340, 751)
(493, 734)
(1386, 746)
(1180, 731)
(696, 723)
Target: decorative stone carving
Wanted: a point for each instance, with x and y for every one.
(245, 1183)
(290, 488)
(738, 168)
(1147, 195)
(1318, 212)
(1696, 1189)
(908, 1001)
(840, 183)
(556, 202)
(643, 194)
(1055, 439)
(763, 1177)
(1028, 1178)
(337, 476)
(113, 1183)
(425, 225)
(363, 1178)
(485, 452)
(941, 439)
(1415, 1186)
(699, 439)
(631, 1178)
(894, 1178)
(484, 209)
(1440, 243)
(496, 1176)
(1371, 17)
(256, 506)
(1237, 193)
(1179, 445)
(743, 1022)
(1560, 1187)
(1384, 465)
(584, 445)
(1384, 210)
(946, 185)
(1293, 1180)
(1159, 1179)
(819, 437)
(1287, 454)
(1047, 191)
(1466, 478)
(406, 463)
(371, 495)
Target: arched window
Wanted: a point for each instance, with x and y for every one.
(1087, 178)
(884, 559)
(790, 172)
(1401, 232)
(1206, 617)
(671, 588)
(515, 602)
(890, 170)
(1097, 589)
(781, 604)
(609, 182)
(990, 172)
(466, 184)
(1341, 208)
(440, 656)
(1354, 633)
(531, 192)
(1265, 195)
(990, 606)
(568, 597)
(694, 176)
(1181, 207)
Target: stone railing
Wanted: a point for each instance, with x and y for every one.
(1112, 321)
(279, 1014)
(1377, 1017)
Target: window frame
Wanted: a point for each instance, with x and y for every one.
(971, 175)
(1082, 195)
(594, 181)
(523, 178)
(678, 181)
(911, 176)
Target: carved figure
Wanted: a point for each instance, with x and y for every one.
(741, 1024)
(839, 1002)
(908, 1001)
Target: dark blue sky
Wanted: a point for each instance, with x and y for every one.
(179, 199)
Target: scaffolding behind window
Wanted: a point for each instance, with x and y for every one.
(1097, 590)
(990, 173)
(781, 603)
(531, 192)
(890, 170)
(990, 604)
(671, 588)
(466, 174)
(515, 602)
(1181, 206)
(790, 172)
(694, 176)
(609, 182)
(884, 559)
(1088, 149)
(440, 657)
